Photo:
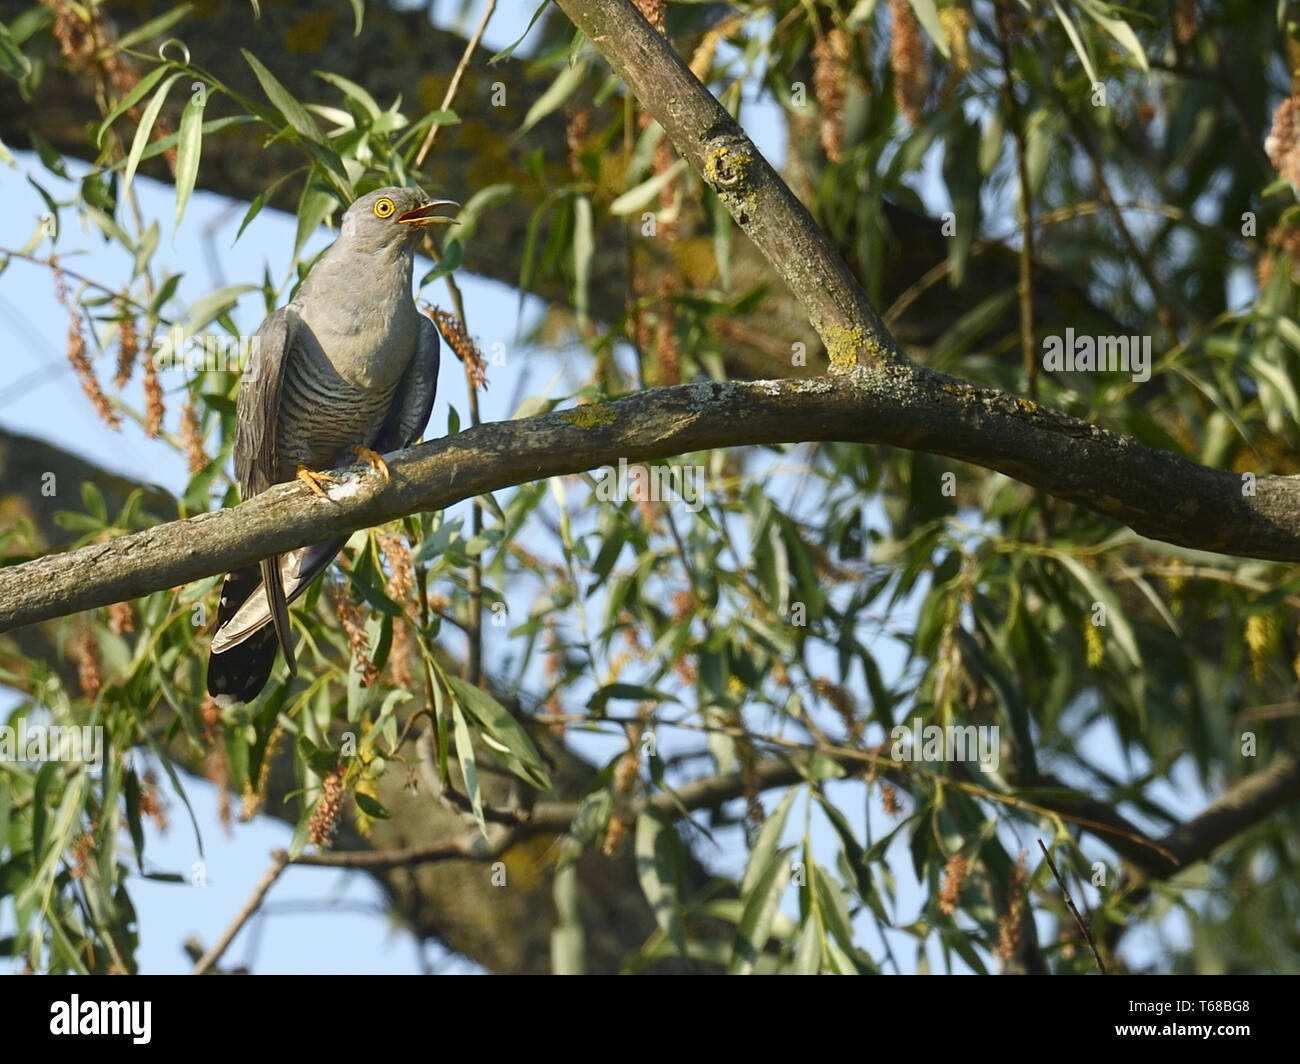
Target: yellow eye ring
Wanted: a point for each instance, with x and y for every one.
(384, 207)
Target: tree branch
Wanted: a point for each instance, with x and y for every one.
(1244, 804)
(557, 817)
(1157, 494)
(205, 963)
(762, 204)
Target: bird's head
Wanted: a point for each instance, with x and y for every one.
(391, 217)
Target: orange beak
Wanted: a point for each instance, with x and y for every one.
(423, 216)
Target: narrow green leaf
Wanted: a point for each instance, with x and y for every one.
(155, 27)
(508, 49)
(1119, 29)
(6, 805)
(12, 60)
(131, 791)
(298, 117)
(189, 148)
(635, 200)
(769, 835)
(468, 766)
(93, 499)
(130, 99)
(259, 201)
(206, 310)
(564, 86)
(1100, 592)
(497, 723)
(352, 89)
(808, 954)
(453, 254)
(831, 904)
(301, 832)
(927, 14)
(147, 120)
(584, 249)
(370, 806)
(631, 692)
(162, 144)
(1076, 41)
(314, 206)
(50, 159)
(658, 853)
(761, 896)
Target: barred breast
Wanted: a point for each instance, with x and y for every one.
(323, 416)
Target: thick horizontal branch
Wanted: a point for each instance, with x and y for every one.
(1157, 494)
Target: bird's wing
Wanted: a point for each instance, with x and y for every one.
(257, 414)
(413, 401)
(244, 611)
(258, 407)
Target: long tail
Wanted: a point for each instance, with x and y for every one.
(274, 585)
(252, 623)
(241, 671)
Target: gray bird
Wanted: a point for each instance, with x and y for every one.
(347, 370)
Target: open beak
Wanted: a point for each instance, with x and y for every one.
(423, 216)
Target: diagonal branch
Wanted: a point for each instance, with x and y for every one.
(1244, 804)
(762, 204)
(209, 959)
(1158, 494)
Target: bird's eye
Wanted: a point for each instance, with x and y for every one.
(384, 207)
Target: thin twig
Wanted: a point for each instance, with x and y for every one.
(450, 95)
(1083, 924)
(279, 862)
(1163, 299)
(9, 253)
(474, 576)
(469, 846)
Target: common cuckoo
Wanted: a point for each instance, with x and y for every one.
(347, 370)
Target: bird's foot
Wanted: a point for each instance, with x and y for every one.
(316, 481)
(374, 460)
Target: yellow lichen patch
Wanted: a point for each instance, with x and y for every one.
(726, 167)
(842, 344)
(309, 33)
(873, 347)
(1027, 405)
(589, 416)
(713, 162)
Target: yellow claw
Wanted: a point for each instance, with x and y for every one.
(374, 460)
(315, 480)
